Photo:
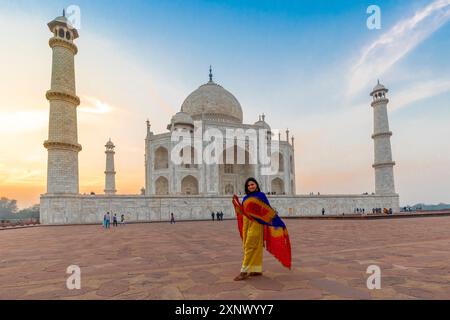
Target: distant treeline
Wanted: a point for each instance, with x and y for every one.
(431, 207)
(9, 210)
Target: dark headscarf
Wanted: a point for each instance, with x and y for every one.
(246, 185)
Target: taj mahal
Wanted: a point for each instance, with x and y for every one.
(193, 186)
(217, 110)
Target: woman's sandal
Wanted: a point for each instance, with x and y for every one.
(255, 274)
(241, 276)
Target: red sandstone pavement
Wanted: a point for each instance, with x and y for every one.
(198, 260)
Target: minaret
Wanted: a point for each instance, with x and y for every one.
(383, 164)
(110, 174)
(148, 160)
(62, 143)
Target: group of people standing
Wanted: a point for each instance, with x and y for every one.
(385, 210)
(107, 220)
(218, 214)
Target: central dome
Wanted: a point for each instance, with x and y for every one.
(211, 101)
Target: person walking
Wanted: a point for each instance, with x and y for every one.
(104, 221)
(115, 220)
(108, 220)
(172, 218)
(323, 211)
(122, 219)
(212, 216)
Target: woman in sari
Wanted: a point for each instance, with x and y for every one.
(259, 225)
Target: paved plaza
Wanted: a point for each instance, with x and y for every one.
(198, 260)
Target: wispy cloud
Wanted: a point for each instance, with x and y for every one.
(94, 105)
(418, 92)
(379, 56)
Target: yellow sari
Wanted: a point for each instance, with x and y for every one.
(253, 242)
(260, 226)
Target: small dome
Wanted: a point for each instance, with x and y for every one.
(378, 87)
(64, 22)
(109, 144)
(182, 118)
(61, 19)
(262, 124)
(212, 101)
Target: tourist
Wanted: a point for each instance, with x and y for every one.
(115, 220)
(323, 211)
(217, 215)
(122, 219)
(172, 218)
(104, 221)
(257, 233)
(108, 220)
(221, 215)
(212, 216)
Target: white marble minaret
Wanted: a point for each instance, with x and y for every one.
(110, 173)
(383, 164)
(62, 143)
(148, 160)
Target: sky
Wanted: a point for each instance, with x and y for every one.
(309, 66)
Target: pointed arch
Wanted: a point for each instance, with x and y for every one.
(161, 158)
(277, 186)
(189, 185)
(161, 186)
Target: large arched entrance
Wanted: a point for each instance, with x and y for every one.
(232, 175)
(278, 186)
(189, 185)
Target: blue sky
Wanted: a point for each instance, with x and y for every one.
(299, 62)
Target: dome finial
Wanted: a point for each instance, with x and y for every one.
(210, 74)
(263, 117)
(64, 12)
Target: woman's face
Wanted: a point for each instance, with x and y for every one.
(251, 186)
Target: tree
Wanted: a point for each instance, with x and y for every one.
(7, 206)
(32, 212)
